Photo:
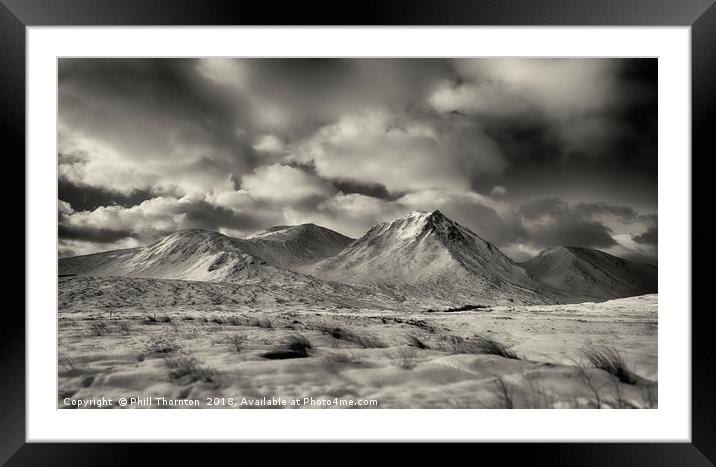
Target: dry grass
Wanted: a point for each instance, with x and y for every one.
(235, 341)
(66, 362)
(367, 341)
(263, 323)
(185, 368)
(334, 331)
(415, 341)
(609, 360)
(293, 346)
(480, 345)
(504, 394)
(160, 345)
(99, 329)
(125, 327)
(234, 321)
(154, 319)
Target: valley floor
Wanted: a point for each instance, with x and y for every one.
(227, 356)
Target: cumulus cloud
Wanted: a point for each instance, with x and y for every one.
(285, 184)
(485, 98)
(269, 144)
(560, 87)
(148, 146)
(399, 151)
(159, 216)
(138, 124)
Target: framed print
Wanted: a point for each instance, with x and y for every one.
(467, 222)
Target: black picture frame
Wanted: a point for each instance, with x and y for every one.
(17, 15)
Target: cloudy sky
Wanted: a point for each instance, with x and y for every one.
(529, 153)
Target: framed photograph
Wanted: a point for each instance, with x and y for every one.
(468, 222)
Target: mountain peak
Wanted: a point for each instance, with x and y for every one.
(435, 214)
(422, 247)
(293, 245)
(187, 232)
(285, 231)
(419, 224)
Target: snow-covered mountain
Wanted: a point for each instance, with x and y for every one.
(292, 245)
(194, 254)
(592, 273)
(420, 258)
(202, 255)
(429, 251)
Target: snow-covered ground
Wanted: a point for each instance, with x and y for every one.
(213, 348)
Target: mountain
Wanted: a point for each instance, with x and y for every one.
(423, 257)
(197, 254)
(287, 246)
(429, 252)
(592, 273)
(194, 254)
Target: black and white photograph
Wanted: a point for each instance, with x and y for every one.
(369, 233)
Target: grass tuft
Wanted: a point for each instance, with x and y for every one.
(478, 345)
(235, 342)
(236, 321)
(367, 341)
(293, 346)
(415, 341)
(264, 323)
(188, 369)
(154, 319)
(504, 394)
(125, 327)
(99, 329)
(160, 345)
(609, 360)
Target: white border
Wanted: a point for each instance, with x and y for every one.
(671, 422)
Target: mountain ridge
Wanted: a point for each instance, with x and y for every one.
(422, 255)
(205, 255)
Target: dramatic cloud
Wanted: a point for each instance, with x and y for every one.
(400, 152)
(528, 153)
(285, 184)
(558, 87)
(650, 237)
(553, 222)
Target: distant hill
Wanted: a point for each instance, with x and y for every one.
(592, 273)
